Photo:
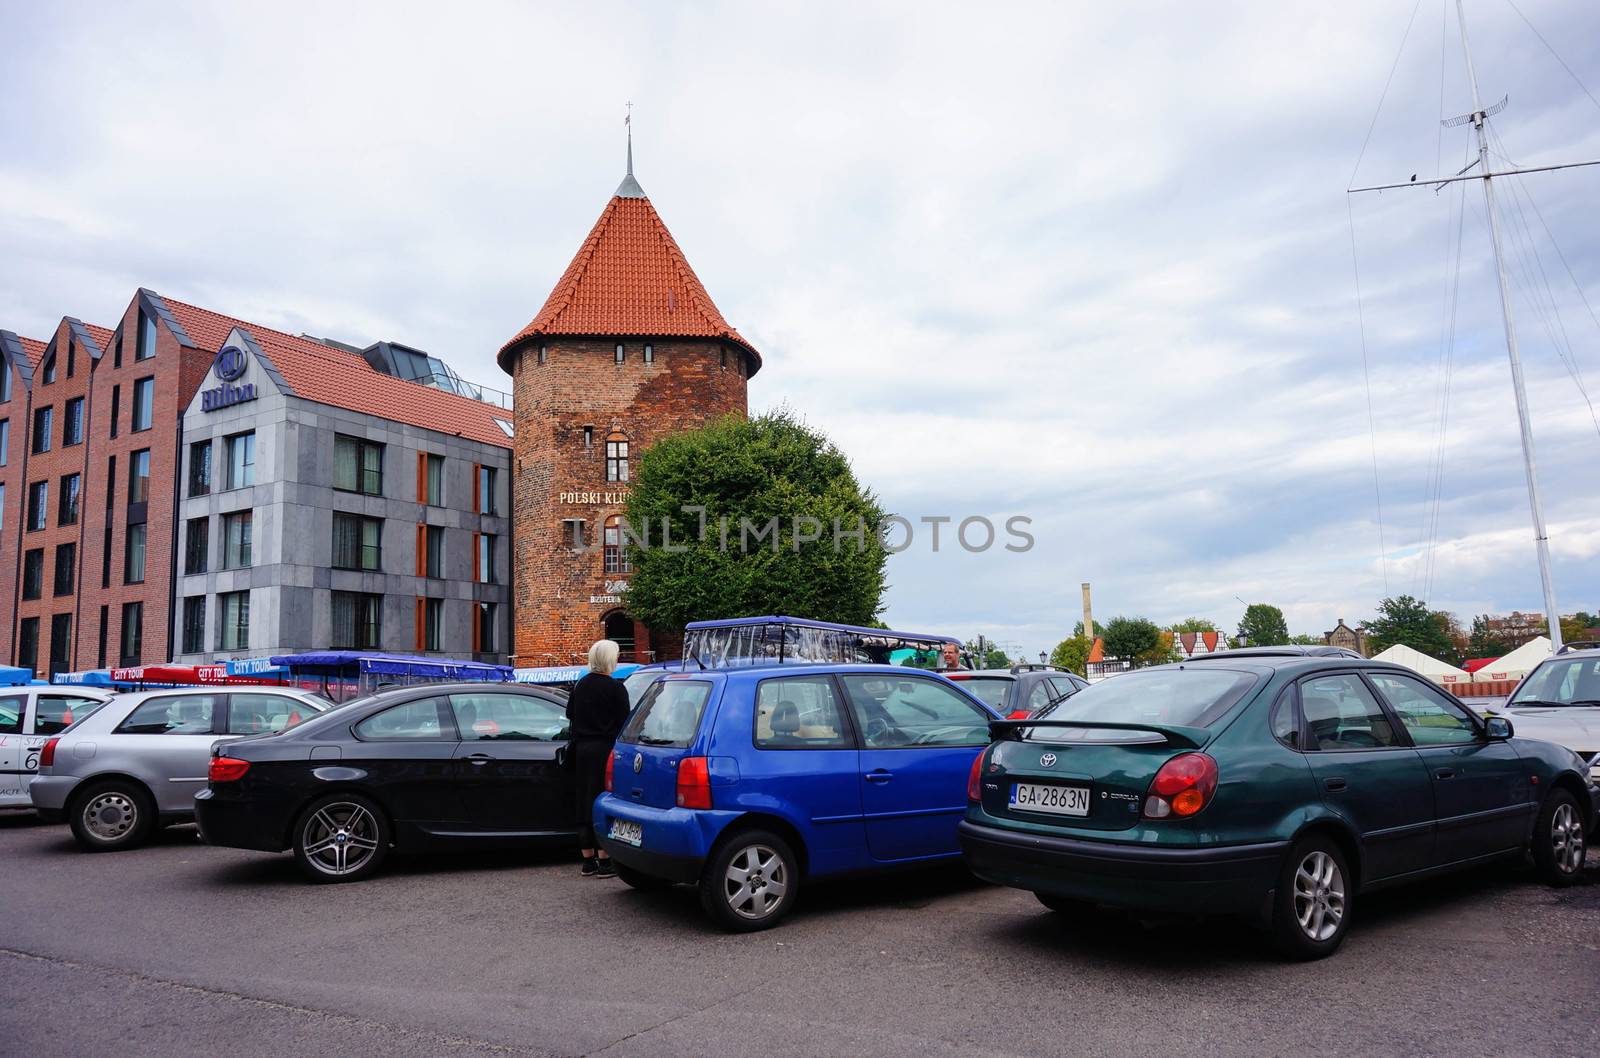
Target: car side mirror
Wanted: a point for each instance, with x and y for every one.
(1498, 728)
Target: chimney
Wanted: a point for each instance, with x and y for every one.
(1088, 616)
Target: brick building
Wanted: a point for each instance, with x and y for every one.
(627, 348)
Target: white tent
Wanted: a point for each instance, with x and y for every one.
(1436, 670)
(1516, 664)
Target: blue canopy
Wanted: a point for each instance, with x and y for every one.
(352, 663)
(12, 676)
(255, 667)
(565, 673)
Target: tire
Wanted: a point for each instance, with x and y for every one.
(725, 889)
(1066, 906)
(319, 850)
(1312, 904)
(113, 815)
(645, 883)
(1558, 842)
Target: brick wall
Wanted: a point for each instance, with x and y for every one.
(12, 477)
(690, 383)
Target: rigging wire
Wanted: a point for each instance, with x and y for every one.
(1366, 373)
(1570, 72)
(1447, 373)
(1385, 94)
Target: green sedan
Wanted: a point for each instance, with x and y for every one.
(1274, 786)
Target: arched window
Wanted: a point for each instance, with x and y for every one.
(617, 456)
(616, 558)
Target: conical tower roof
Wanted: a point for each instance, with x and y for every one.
(629, 279)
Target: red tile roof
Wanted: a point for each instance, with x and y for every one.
(33, 349)
(101, 336)
(342, 379)
(630, 278)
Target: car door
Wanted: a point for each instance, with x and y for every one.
(806, 756)
(1481, 793)
(1367, 773)
(166, 741)
(918, 738)
(407, 756)
(511, 763)
(14, 776)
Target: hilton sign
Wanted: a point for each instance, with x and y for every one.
(229, 367)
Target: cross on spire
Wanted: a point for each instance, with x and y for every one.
(629, 188)
(628, 121)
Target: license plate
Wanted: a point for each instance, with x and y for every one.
(626, 832)
(1057, 800)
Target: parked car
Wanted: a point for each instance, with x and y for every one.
(1275, 787)
(749, 781)
(1559, 701)
(468, 765)
(28, 717)
(1021, 690)
(137, 761)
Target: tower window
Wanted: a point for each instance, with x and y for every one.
(649, 353)
(572, 533)
(615, 557)
(622, 352)
(724, 359)
(588, 437)
(617, 458)
(544, 353)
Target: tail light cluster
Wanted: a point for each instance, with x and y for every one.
(1182, 787)
(47, 754)
(694, 782)
(974, 785)
(227, 769)
(611, 772)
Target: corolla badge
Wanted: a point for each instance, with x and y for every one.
(1047, 761)
(638, 763)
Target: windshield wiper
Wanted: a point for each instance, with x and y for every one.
(650, 740)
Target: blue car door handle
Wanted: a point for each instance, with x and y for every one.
(879, 776)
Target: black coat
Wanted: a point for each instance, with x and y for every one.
(597, 709)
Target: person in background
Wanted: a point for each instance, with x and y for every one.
(596, 711)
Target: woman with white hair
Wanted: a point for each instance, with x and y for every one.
(596, 711)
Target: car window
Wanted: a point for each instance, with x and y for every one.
(1286, 718)
(1340, 713)
(1044, 692)
(638, 682)
(668, 714)
(1562, 682)
(894, 713)
(1064, 685)
(508, 716)
(418, 720)
(56, 712)
(799, 712)
(991, 690)
(176, 714)
(1184, 696)
(12, 706)
(259, 714)
(1428, 716)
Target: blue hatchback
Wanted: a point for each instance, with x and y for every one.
(748, 781)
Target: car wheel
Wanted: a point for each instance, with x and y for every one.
(1558, 843)
(750, 881)
(341, 838)
(645, 883)
(1066, 906)
(1311, 909)
(112, 815)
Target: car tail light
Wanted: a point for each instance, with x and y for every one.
(694, 782)
(1018, 714)
(47, 754)
(611, 772)
(227, 769)
(1182, 787)
(974, 788)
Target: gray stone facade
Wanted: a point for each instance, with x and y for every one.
(291, 576)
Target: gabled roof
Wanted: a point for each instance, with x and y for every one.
(630, 279)
(328, 375)
(32, 349)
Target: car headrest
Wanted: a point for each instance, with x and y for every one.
(786, 719)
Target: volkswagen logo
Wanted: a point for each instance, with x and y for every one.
(1047, 761)
(230, 363)
(638, 763)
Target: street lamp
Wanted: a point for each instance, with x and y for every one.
(1043, 657)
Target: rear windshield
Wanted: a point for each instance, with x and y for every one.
(638, 682)
(669, 714)
(991, 690)
(1185, 697)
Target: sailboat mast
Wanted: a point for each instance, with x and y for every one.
(1541, 535)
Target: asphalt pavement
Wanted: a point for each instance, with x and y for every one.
(179, 949)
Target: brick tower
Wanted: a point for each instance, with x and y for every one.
(628, 348)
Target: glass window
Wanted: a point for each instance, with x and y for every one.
(2, 506)
(139, 476)
(1065, 685)
(1430, 718)
(1042, 694)
(357, 542)
(588, 437)
(38, 505)
(488, 493)
(669, 714)
(33, 574)
(991, 690)
(100, 638)
(144, 403)
(67, 502)
(616, 557)
(72, 423)
(54, 713)
(483, 634)
(432, 624)
(486, 557)
(1185, 697)
(235, 631)
(894, 712)
(200, 468)
(145, 345)
(241, 452)
(132, 644)
(1286, 718)
(12, 709)
(622, 352)
(196, 546)
(508, 716)
(43, 423)
(49, 372)
(357, 621)
(433, 565)
(649, 353)
(1564, 681)
(60, 642)
(237, 529)
(72, 357)
(194, 624)
(5, 380)
(433, 480)
(66, 568)
(617, 459)
(5, 441)
(260, 714)
(544, 353)
(799, 712)
(1340, 713)
(28, 643)
(357, 465)
(173, 714)
(116, 407)
(133, 554)
(413, 720)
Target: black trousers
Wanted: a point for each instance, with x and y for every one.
(589, 763)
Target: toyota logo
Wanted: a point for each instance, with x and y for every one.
(1047, 761)
(230, 363)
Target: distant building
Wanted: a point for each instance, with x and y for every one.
(1198, 644)
(1518, 628)
(1345, 636)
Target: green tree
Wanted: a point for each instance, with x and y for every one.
(1263, 626)
(1301, 639)
(1484, 643)
(774, 493)
(1195, 624)
(1072, 654)
(1077, 630)
(1137, 639)
(1406, 619)
(990, 657)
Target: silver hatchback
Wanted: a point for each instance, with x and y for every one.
(137, 762)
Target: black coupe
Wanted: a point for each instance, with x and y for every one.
(424, 767)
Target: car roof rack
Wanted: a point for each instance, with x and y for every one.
(1288, 650)
(1033, 666)
(1579, 644)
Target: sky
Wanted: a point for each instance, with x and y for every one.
(1089, 264)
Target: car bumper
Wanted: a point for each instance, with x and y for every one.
(675, 842)
(1235, 879)
(238, 824)
(49, 794)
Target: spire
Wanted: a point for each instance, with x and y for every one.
(629, 188)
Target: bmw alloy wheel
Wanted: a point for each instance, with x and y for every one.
(1566, 838)
(340, 838)
(110, 816)
(755, 882)
(1319, 896)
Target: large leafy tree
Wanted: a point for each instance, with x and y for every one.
(1195, 624)
(1484, 643)
(990, 657)
(1406, 619)
(1136, 639)
(1263, 626)
(1072, 654)
(772, 491)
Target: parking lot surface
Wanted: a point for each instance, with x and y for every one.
(179, 949)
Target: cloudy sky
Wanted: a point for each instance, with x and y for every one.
(1090, 264)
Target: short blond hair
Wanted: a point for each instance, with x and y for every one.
(603, 657)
